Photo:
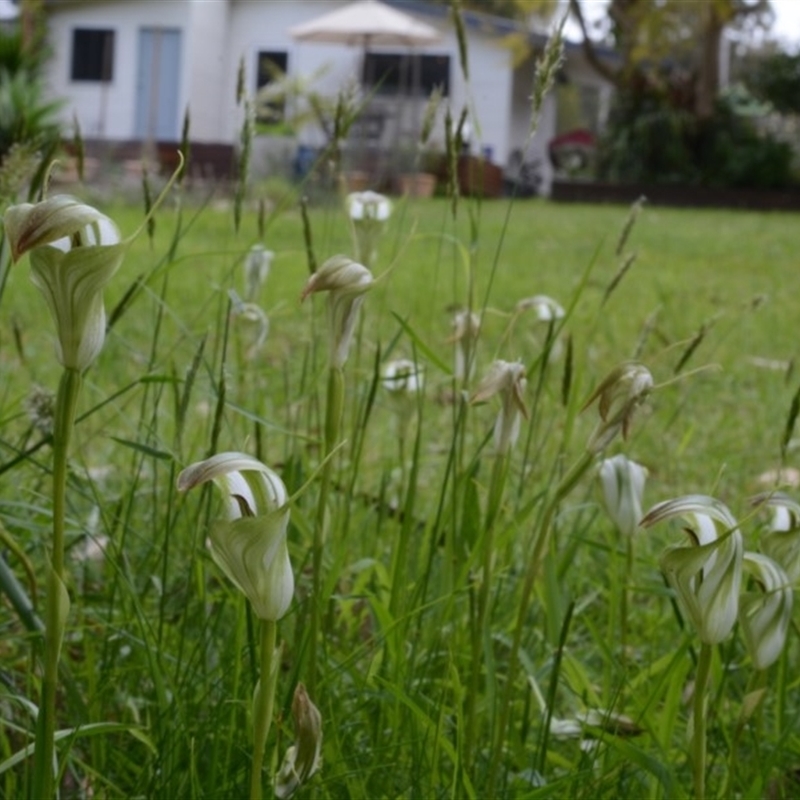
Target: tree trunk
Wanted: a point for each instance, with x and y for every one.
(708, 74)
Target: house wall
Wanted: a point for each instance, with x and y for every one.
(207, 64)
(107, 110)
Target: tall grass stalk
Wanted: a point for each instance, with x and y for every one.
(334, 408)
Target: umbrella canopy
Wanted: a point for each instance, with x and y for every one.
(366, 23)
(8, 11)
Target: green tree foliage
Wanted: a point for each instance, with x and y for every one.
(26, 117)
(669, 122)
(775, 78)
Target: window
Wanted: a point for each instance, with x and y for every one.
(92, 55)
(394, 73)
(270, 67)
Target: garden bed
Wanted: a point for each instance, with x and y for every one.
(677, 195)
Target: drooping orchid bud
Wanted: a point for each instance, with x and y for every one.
(466, 327)
(620, 394)
(249, 546)
(507, 379)
(764, 615)
(74, 252)
(303, 758)
(256, 269)
(346, 281)
(623, 487)
(706, 576)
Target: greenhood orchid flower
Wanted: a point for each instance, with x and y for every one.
(508, 380)
(403, 381)
(466, 327)
(256, 269)
(249, 546)
(623, 487)
(545, 308)
(74, 252)
(706, 576)
(764, 615)
(368, 214)
(782, 541)
(346, 281)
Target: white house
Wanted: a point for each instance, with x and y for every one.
(129, 70)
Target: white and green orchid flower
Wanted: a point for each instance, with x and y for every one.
(706, 576)
(346, 281)
(74, 252)
(623, 488)
(250, 545)
(764, 615)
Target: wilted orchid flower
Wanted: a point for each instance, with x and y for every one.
(346, 281)
(706, 576)
(620, 394)
(782, 541)
(623, 487)
(508, 380)
(256, 269)
(466, 327)
(303, 758)
(368, 212)
(765, 615)
(74, 252)
(250, 545)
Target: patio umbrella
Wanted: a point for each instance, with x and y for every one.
(366, 23)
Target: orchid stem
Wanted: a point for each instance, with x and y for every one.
(481, 633)
(263, 702)
(699, 721)
(57, 599)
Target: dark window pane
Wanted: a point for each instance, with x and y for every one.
(394, 73)
(271, 66)
(92, 55)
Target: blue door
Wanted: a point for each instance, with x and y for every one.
(158, 84)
